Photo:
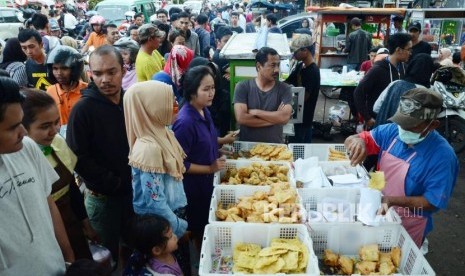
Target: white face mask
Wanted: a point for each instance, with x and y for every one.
(411, 138)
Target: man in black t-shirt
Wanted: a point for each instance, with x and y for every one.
(305, 74)
(235, 23)
(418, 46)
(36, 70)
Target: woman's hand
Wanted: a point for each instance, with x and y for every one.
(218, 165)
(356, 148)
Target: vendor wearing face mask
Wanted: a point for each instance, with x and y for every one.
(419, 165)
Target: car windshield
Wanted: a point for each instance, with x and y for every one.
(9, 16)
(113, 12)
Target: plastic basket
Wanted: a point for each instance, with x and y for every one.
(230, 164)
(348, 239)
(225, 236)
(309, 150)
(230, 194)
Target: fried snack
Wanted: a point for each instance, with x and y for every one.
(256, 174)
(335, 155)
(330, 258)
(386, 268)
(272, 268)
(366, 267)
(291, 260)
(369, 253)
(346, 265)
(377, 180)
(270, 152)
(396, 256)
(384, 257)
(282, 256)
(221, 214)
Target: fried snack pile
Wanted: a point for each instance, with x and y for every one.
(270, 153)
(372, 261)
(256, 174)
(283, 256)
(335, 155)
(278, 205)
(377, 180)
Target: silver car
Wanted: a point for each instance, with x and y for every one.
(10, 22)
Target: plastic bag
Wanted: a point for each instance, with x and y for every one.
(337, 113)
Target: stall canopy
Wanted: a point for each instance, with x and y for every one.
(357, 11)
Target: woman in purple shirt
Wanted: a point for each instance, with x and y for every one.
(196, 133)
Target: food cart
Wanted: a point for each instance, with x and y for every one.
(240, 51)
(440, 27)
(329, 39)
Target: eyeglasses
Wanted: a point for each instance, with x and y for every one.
(408, 49)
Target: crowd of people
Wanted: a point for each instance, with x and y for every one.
(140, 128)
(120, 149)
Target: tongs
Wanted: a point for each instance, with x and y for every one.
(364, 169)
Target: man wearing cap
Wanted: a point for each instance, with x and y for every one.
(305, 74)
(419, 165)
(149, 61)
(418, 46)
(358, 45)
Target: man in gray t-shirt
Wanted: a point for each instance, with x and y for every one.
(263, 105)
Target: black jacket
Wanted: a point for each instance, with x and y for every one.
(96, 133)
(370, 87)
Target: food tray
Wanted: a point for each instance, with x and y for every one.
(309, 150)
(225, 236)
(241, 145)
(335, 237)
(227, 194)
(245, 163)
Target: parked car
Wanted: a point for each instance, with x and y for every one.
(10, 22)
(114, 10)
(291, 23)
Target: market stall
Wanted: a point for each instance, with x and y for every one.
(440, 27)
(333, 27)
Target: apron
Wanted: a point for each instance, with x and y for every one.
(61, 196)
(395, 171)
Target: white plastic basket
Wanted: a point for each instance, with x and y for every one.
(348, 239)
(309, 150)
(230, 194)
(230, 164)
(225, 236)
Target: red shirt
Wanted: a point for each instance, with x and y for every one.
(366, 65)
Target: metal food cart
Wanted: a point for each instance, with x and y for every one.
(240, 51)
(375, 20)
(440, 27)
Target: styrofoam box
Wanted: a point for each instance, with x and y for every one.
(348, 239)
(230, 194)
(246, 163)
(310, 150)
(225, 236)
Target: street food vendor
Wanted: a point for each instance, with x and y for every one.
(262, 105)
(419, 164)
